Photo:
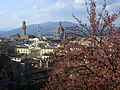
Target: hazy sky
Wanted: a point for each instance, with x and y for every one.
(13, 12)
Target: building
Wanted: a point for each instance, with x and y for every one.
(34, 40)
(59, 32)
(23, 50)
(46, 50)
(19, 57)
(24, 36)
(15, 37)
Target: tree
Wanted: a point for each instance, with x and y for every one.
(94, 65)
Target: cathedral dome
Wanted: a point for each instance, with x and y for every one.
(59, 28)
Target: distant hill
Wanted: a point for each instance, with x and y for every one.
(46, 28)
(5, 29)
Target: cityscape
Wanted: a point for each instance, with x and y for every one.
(63, 55)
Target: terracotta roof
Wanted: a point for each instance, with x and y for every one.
(17, 55)
(22, 46)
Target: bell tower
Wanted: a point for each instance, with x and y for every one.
(24, 28)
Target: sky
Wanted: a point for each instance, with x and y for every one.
(13, 12)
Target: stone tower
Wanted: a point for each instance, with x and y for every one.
(39, 33)
(24, 28)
